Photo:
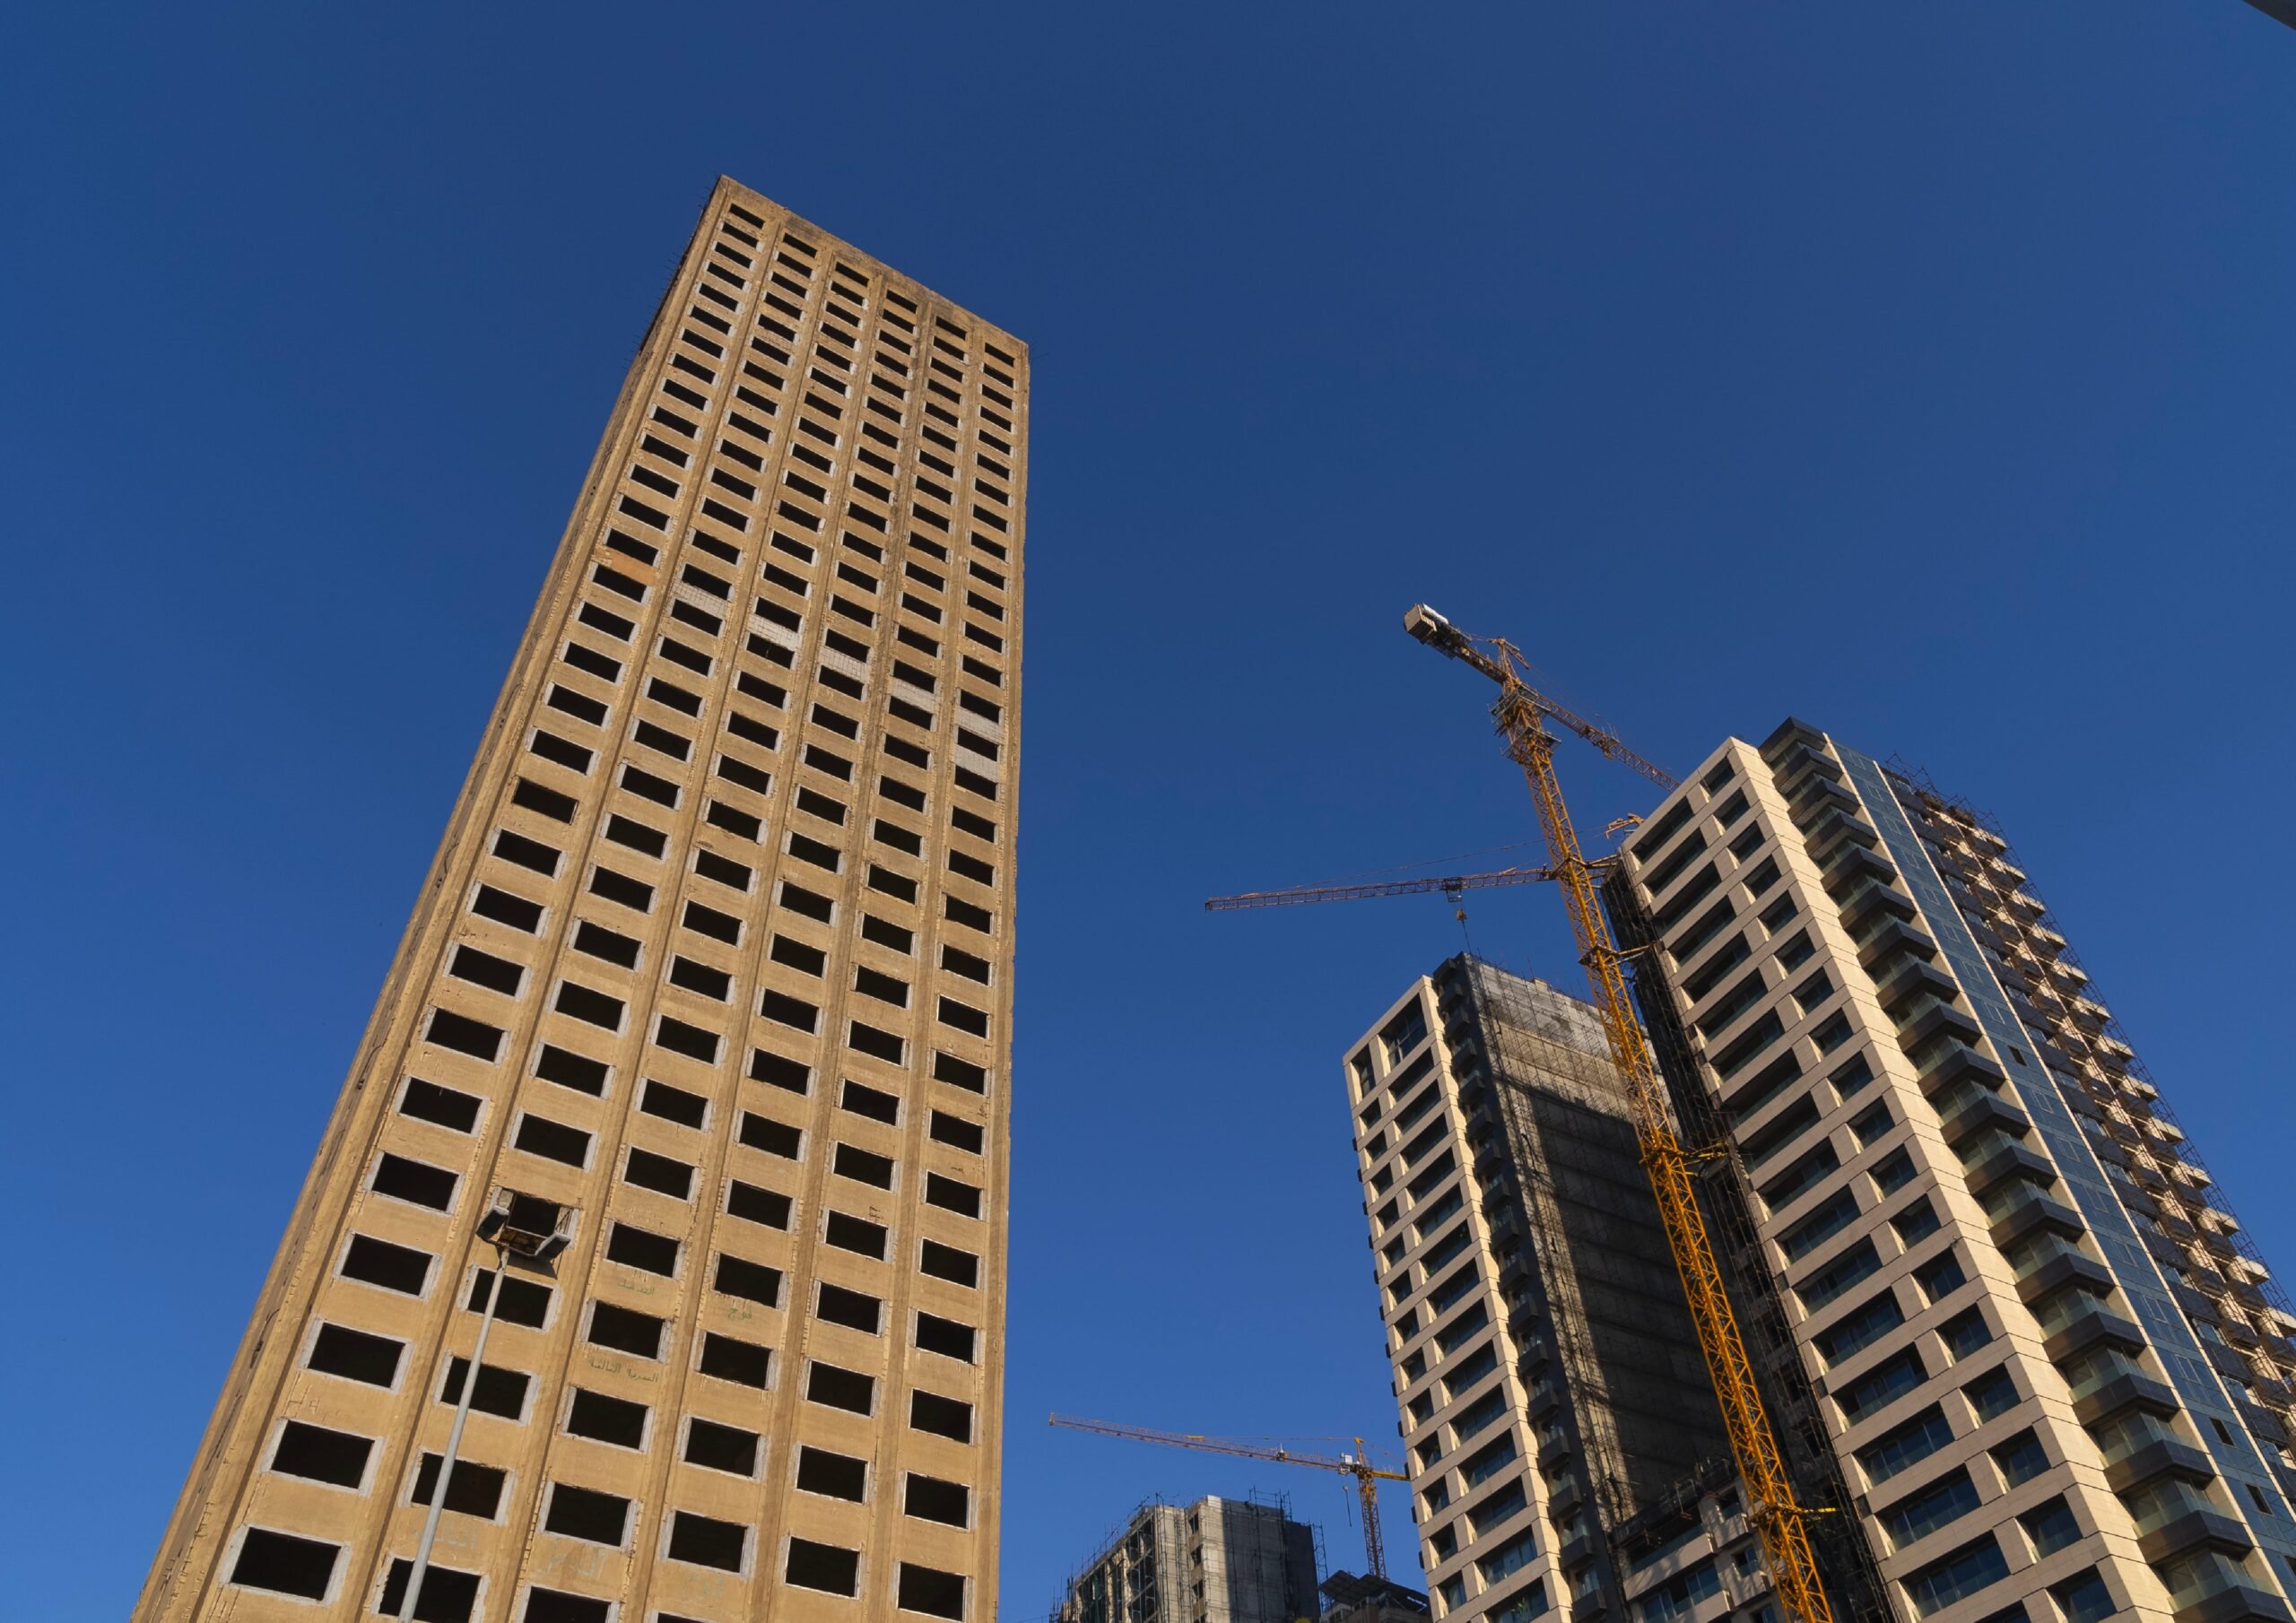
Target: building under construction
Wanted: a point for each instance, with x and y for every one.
(1564, 1440)
(1215, 1561)
(2020, 1361)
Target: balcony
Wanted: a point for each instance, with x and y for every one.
(1927, 1020)
(1958, 1062)
(1911, 981)
(2162, 1457)
(2122, 1394)
(1870, 902)
(2235, 1603)
(2091, 1324)
(1896, 939)
(2034, 1213)
(2006, 1159)
(2194, 1531)
(1578, 1550)
(1854, 864)
(1986, 1110)
(2065, 1267)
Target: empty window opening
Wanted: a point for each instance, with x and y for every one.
(637, 836)
(942, 1416)
(695, 976)
(417, 1181)
(752, 1204)
(321, 1454)
(633, 894)
(584, 1513)
(286, 1565)
(556, 1606)
(709, 922)
(838, 1476)
(524, 1301)
(946, 1337)
(864, 1167)
(465, 1035)
(569, 1070)
(722, 870)
(874, 1103)
(856, 1235)
(642, 1249)
(658, 1173)
(623, 1331)
(706, 1541)
(552, 1141)
(355, 1355)
(485, 970)
(931, 1499)
(505, 908)
(948, 1262)
(674, 1103)
(851, 1309)
(810, 903)
(500, 1391)
(446, 1106)
(837, 1388)
(473, 1490)
(727, 1359)
(952, 1196)
(823, 1566)
(930, 1591)
(589, 1004)
(717, 1447)
(374, 1262)
(774, 1138)
(448, 1596)
(605, 1420)
(750, 1282)
(957, 1132)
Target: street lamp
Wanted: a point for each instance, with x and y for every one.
(523, 1226)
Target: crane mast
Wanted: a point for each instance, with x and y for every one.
(1521, 713)
(1358, 1466)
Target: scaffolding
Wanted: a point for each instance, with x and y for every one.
(1163, 1565)
(1585, 1267)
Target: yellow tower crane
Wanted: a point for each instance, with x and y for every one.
(1522, 712)
(1358, 1466)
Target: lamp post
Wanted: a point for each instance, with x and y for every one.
(533, 1229)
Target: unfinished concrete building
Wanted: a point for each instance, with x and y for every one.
(2041, 1353)
(1215, 1561)
(1550, 1382)
(1351, 1599)
(703, 1019)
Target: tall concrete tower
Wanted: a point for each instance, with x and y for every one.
(698, 1033)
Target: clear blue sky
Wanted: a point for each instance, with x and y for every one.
(1927, 371)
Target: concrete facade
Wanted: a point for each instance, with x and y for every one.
(714, 968)
(1215, 1561)
(2049, 1372)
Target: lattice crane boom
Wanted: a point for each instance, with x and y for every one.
(1358, 1466)
(1521, 712)
(1451, 885)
